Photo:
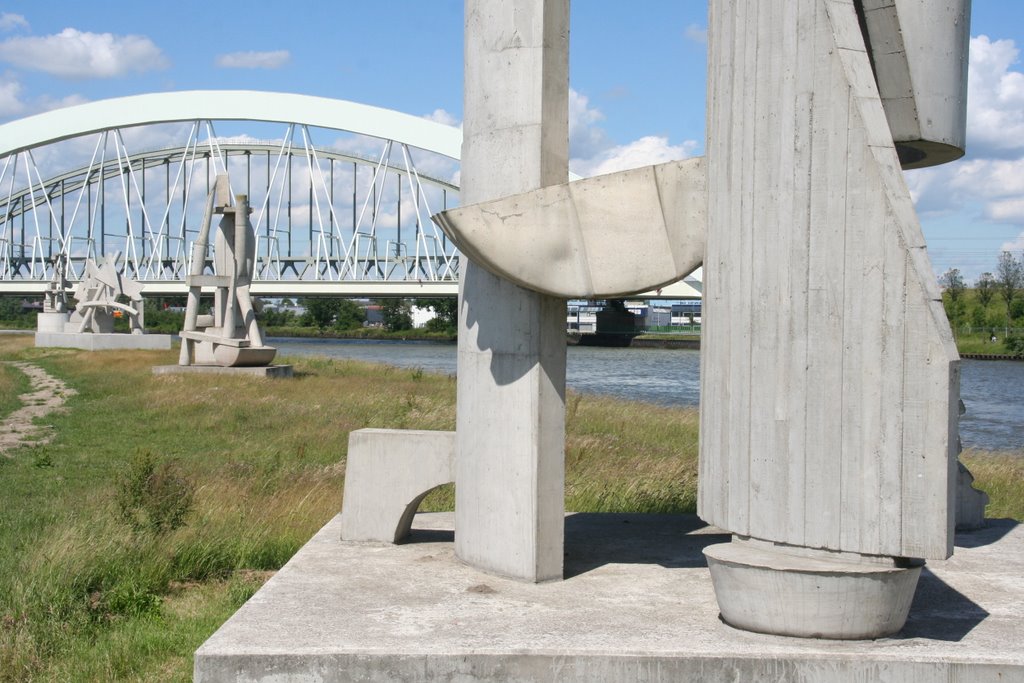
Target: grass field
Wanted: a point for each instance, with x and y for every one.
(165, 502)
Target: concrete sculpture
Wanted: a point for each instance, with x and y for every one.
(102, 294)
(230, 336)
(830, 379)
(829, 375)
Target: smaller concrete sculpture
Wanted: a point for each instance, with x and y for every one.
(103, 294)
(55, 298)
(230, 335)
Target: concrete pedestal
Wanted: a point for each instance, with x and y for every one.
(636, 604)
(101, 341)
(809, 594)
(275, 371)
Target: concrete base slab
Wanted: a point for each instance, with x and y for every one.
(101, 341)
(637, 604)
(273, 371)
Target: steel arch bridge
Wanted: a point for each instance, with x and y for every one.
(342, 192)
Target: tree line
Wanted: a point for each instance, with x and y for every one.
(993, 306)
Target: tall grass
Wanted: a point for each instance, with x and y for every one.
(13, 382)
(1001, 476)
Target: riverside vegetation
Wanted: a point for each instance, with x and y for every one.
(165, 502)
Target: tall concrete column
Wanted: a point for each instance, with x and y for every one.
(509, 500)
(829, 374)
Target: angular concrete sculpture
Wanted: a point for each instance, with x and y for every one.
(566, 240)
(230, 336)
(388, 473)
(103, 294)
(829, 374)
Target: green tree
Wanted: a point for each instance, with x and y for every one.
(321, 311)
(953, 283)
(350, 315)
(986, 287)
(1009, 277)
(396, 315)
(446, 313)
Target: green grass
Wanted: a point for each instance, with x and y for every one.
(13, 382)
(89, 590)
(1001, 476)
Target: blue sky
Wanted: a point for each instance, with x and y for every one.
(637, 72)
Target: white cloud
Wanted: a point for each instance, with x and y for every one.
(1006, 211)
(47, 103)
(444, 117)
(273, 59)
(592, 152)
(650, 149)
(78, 54)
(10, 22)
(10, 97)
(696, 34)
(995, 100)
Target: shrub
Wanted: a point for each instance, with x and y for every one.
(154, 496)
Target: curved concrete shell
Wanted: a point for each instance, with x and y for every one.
(610, 235)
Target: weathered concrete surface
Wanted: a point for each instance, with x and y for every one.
(103, 341)
(388, 472)
(510, 462)
(637, 604)
(813, 593)
(275, 371)
(919, 53)
(567, 240)
(829, 374)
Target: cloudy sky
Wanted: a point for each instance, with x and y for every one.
(637, 76)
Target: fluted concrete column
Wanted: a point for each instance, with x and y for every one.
(511, 365)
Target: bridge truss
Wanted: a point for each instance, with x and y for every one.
(354, 210)
(342, 193)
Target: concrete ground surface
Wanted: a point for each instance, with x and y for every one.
(637, 605)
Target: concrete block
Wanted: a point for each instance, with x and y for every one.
(566, 240)
(970, 502)
(268, 371)
(388, 472)
(103, 341)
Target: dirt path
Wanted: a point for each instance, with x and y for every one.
(46, 395)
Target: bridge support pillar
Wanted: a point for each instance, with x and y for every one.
(511, 364)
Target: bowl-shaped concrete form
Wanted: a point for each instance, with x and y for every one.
(605, 236)
(809, 595)
(243, 357)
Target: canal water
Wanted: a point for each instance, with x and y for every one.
(992, 391)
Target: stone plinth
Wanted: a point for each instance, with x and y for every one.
(102, 341)
(637, 604)
(275, 371)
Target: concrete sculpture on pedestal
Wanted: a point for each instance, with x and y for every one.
(230, 336)
(830, 379)
(103, 294)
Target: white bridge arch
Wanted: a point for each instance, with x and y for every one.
(350, 219)
(111, 203)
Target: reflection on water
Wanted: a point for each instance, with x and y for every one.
(993, 391)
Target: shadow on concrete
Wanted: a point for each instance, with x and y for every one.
(940, 612)
(429, 536)
(673, 541)
(992, 532)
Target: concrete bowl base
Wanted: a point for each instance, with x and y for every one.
(807, 593)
